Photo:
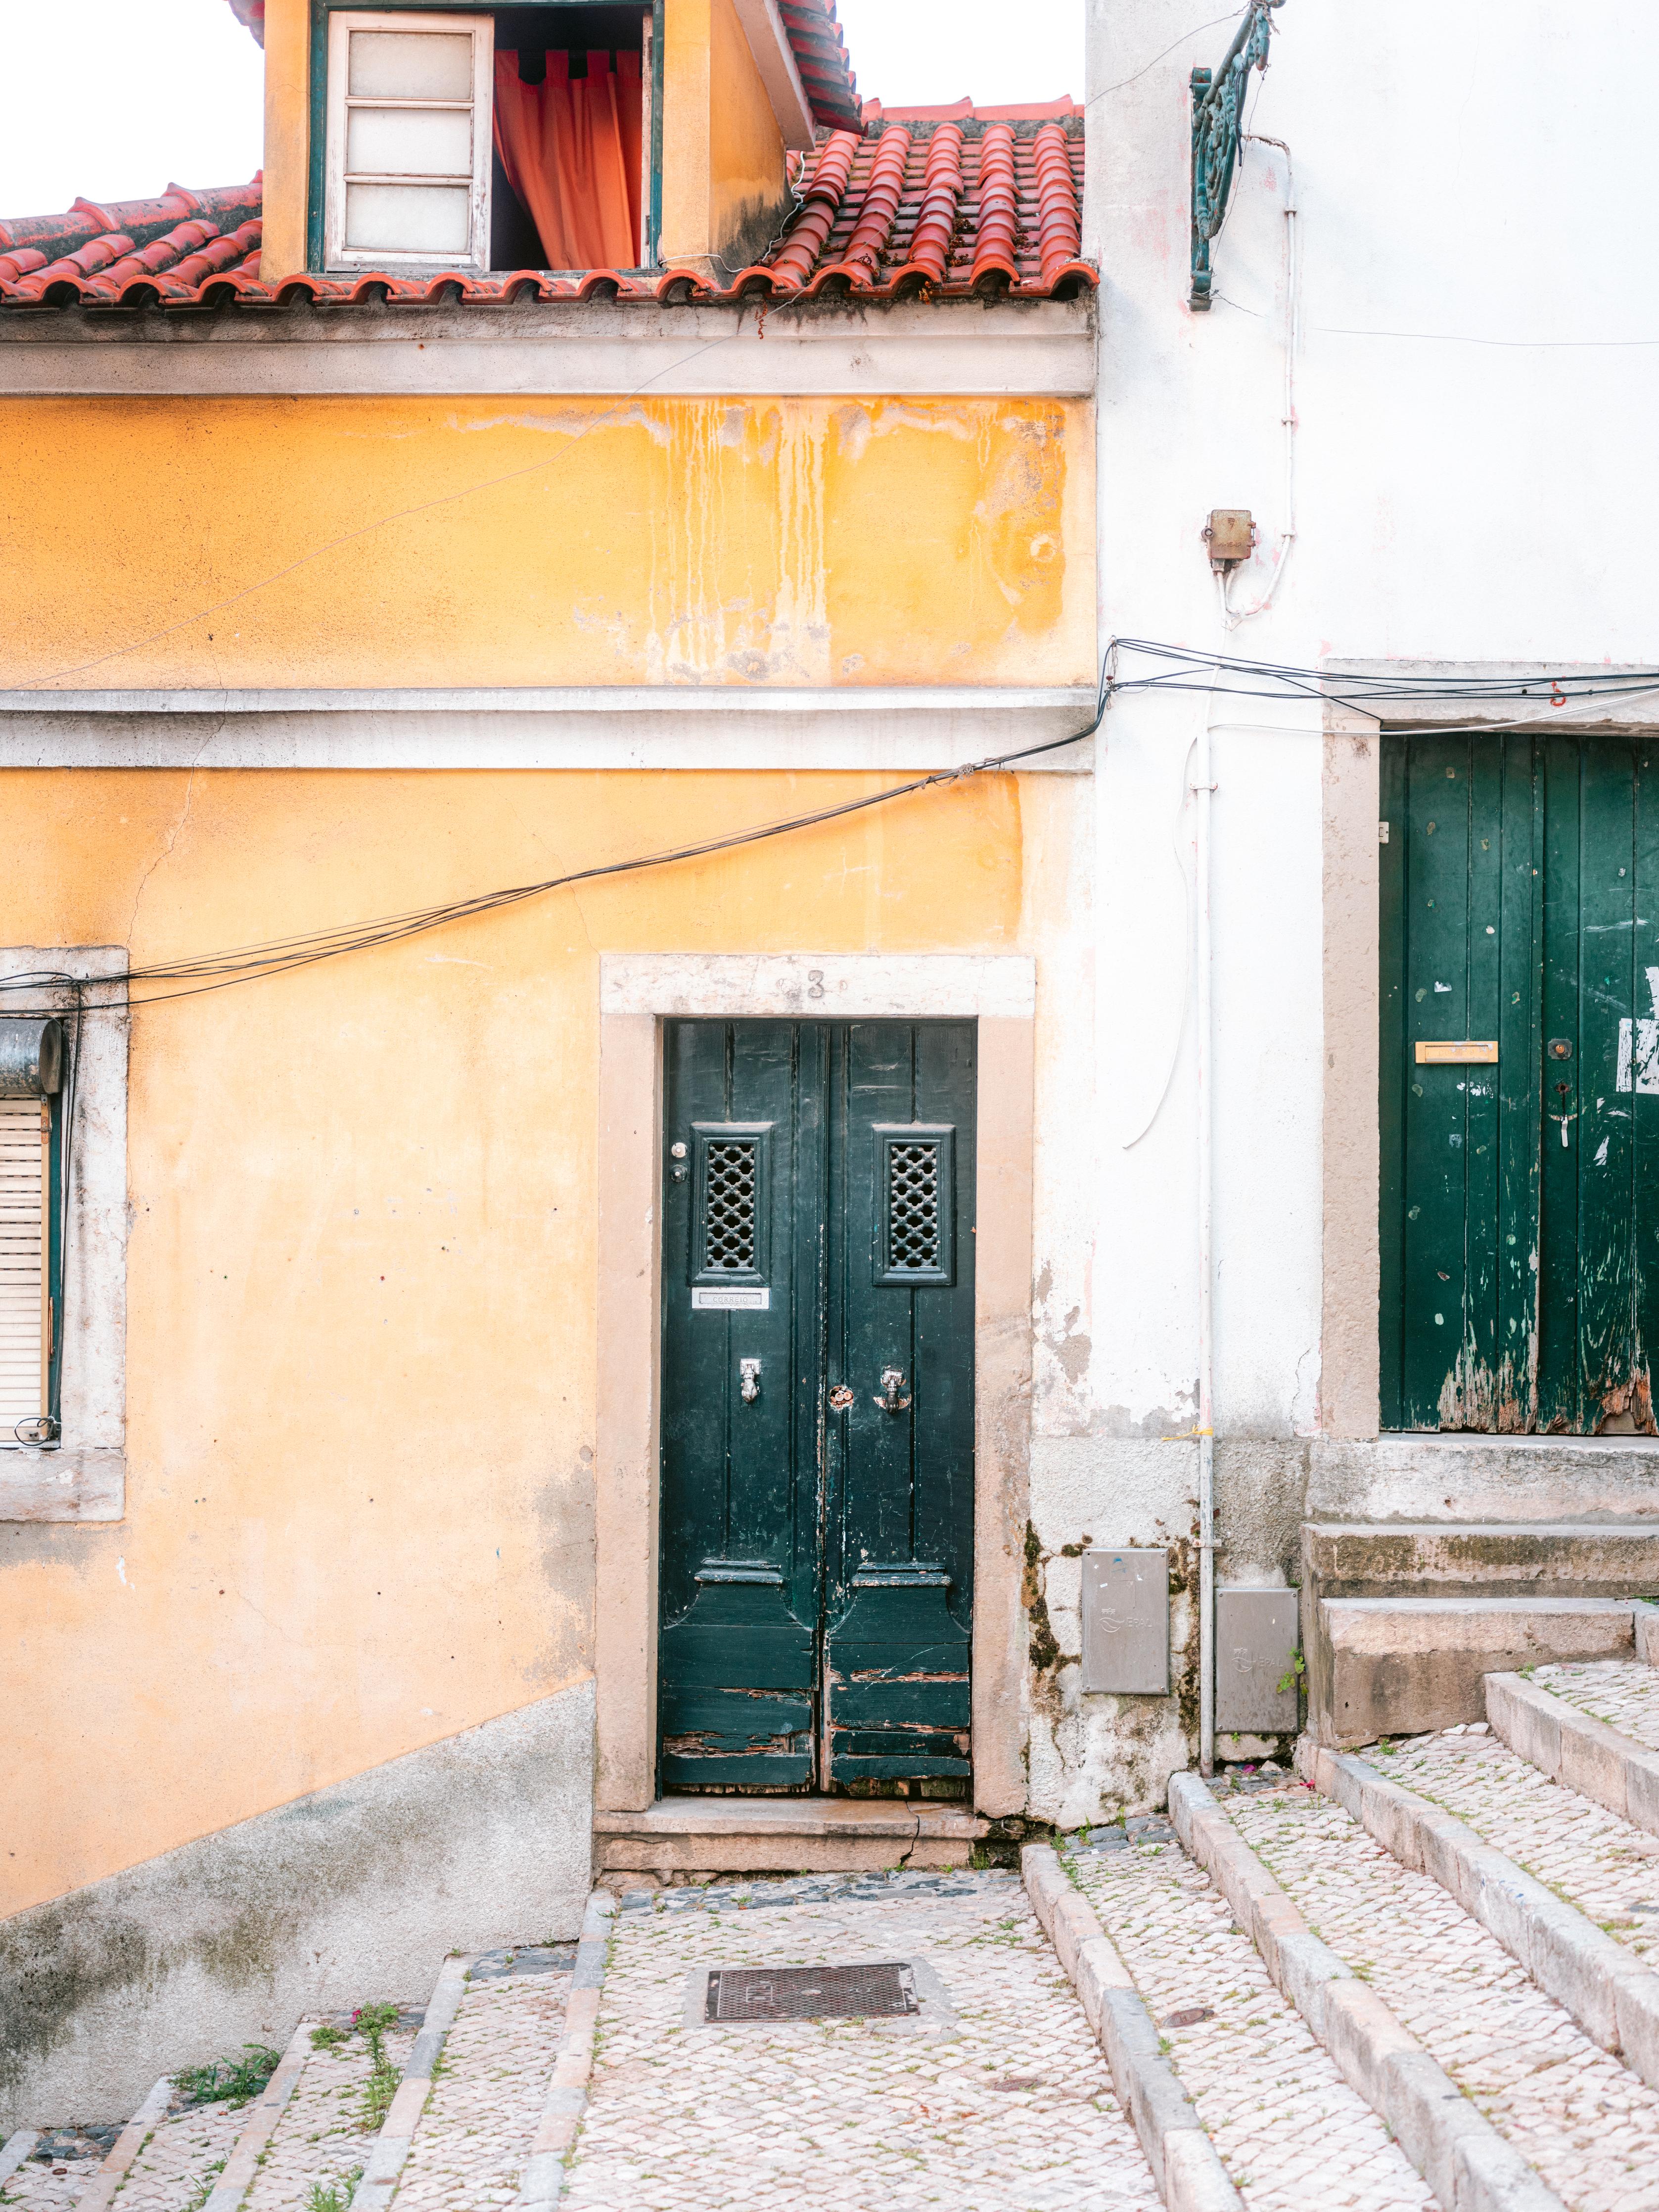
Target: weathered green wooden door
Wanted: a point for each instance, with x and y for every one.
(1520, 1195)
(817, 1426)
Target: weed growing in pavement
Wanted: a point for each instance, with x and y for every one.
(329, 2037)
(229, 2081)
(203, 2188)
(333, 2196)
(371, 2021)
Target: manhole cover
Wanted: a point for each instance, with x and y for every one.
(811, 1992)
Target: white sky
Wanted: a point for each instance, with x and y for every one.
(149, 92)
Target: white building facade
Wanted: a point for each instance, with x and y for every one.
(1425, 372)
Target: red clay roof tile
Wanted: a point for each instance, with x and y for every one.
(978, 203)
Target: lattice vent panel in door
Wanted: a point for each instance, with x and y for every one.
(917, 1205)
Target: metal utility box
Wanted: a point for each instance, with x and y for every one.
(1255, 1642)
(1126, 1622)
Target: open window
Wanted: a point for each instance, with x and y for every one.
(517, 138)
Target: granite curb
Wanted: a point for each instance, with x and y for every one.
(1575, 1749)
(566, 2100)
(1185, 2163)
(383, 2171)
(15, 2148)
(1644, 1620)
(1469, 2165)
(1608, 1989)
(131, 2139)
(243, 2164)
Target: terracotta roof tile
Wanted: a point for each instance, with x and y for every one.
(982, 201)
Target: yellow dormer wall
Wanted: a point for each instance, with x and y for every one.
(724, 184)
(288, 136)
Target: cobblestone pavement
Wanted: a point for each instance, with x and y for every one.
(62, 2164)
(321, 2137)
(475, 2134)
(1623, 1692)
(1012, 2112)
(1589, 2127)
(1585, 1854)
(176, 2167)
(1290, 2130)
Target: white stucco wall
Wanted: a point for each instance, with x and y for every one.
(1475, 475)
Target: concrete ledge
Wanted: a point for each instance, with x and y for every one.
(1613, 1997)
(1404, 1666)
(100, 2191)
(1574, 1749)
(1185, 2163)
(386, 2161)
(1644, 1619)
(1469, 2166)
(787, 1835)
(241, 2168)
(566, 2097)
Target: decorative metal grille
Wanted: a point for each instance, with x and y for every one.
(729, 1228)
(912, 1202)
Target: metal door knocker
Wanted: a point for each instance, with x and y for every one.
(750, 1386)
(892, 1382)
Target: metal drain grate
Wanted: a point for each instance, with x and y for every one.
(811, 1992)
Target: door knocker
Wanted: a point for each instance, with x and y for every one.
(749, 1389)
(892, 1382)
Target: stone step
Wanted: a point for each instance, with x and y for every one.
(1584, 2124)
(685, 1838)
(1286, 2128)
(1592, 1727)
(1489, 1559)
(1558, 1880)
(1405, 1665)
(475, 2136)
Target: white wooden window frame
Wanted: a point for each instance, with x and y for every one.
(25, 1312)
(481, 29)
(82, 1476)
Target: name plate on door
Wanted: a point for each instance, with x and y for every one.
(1438, 1050)
(705, 1299)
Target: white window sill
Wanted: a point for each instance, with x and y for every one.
(59, 1483)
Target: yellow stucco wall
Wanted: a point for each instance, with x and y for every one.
(352, 542)
(747, 190)
(288, 137)
(362, 1258)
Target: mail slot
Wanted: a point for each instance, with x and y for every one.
(1435, 1052)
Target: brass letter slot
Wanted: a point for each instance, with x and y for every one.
(1439, 1050)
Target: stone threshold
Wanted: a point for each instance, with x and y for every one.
(687, 1836)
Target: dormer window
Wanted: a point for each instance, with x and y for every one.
(486, 140)
(408, 140)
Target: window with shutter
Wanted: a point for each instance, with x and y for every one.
(409, 141)
(25, 1266)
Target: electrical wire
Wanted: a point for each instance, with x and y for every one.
(216, 971)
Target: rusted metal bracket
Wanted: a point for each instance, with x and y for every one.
(1218, 104)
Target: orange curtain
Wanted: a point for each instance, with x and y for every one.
(571, 150)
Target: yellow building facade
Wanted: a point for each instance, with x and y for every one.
(330, 1593)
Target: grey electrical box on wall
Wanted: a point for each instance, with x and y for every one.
(1126, 1622)
(1256, 1641)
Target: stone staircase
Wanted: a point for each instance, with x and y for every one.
(1428, 1977)
(1401, 1624)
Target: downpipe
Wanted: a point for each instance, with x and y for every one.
(1203, 789)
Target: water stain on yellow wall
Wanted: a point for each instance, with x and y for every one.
(378, 543)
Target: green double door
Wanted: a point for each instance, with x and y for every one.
(1520, 1082)
(818, 1420)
